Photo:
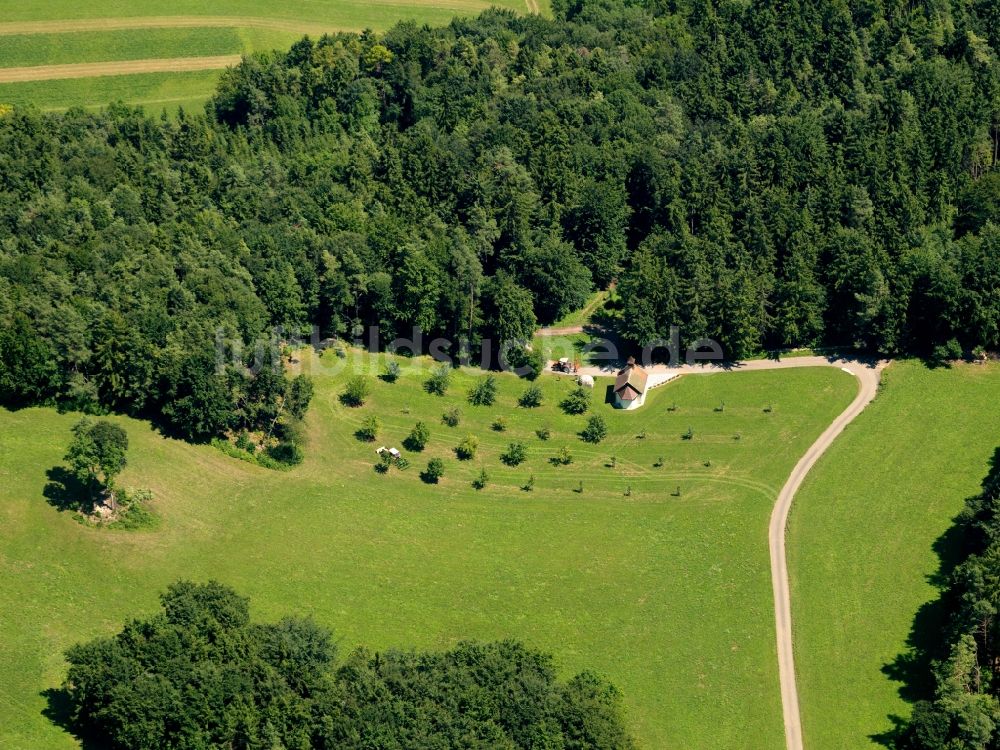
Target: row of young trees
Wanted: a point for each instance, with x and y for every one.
(766, 173)
(201, 675)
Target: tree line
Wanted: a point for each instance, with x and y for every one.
(767, 174)
(200, 674)
(964, 711)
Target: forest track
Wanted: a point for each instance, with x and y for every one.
(869, 378)
(559, 331)
(117, 68)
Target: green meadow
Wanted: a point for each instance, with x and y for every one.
(22, 50)
(350, 14)
(154, 91)
(864, 539)
(656, 576)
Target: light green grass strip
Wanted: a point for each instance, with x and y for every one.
(93, 46)
(154, 91)
(341, 13)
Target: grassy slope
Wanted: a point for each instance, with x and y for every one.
(154, 91)
(668, 596)
(137, 44)
(339, 13)
(860, 552)
(583, 315)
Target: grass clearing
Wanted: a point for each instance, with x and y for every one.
(136, 44)
(153, 91)
(583, 315)
(344, 14)
(668, 596)
(861, 540)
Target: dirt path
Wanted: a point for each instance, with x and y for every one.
(869, 376)
(563, 331)
(121, 67)
(532, 6)
(868, 379)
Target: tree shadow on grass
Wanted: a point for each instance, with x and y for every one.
(925, 644)
(59, 710)
(927, 641)
(64, 491)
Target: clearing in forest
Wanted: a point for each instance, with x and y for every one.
(645, 559)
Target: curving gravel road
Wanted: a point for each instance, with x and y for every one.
(868, 378)
(868, 375)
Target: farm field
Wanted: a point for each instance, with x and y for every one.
(154, 91)
(64, 33)
(862, 541)
(669, 596)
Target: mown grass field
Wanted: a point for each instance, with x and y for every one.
(153, 91)
(667, 595)
(64, 32)
(862, 535)
(348, 13)
(18, 50)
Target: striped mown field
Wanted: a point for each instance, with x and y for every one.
(160, 54)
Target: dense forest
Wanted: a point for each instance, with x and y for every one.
(965, 711)
(768, 174)
(201, 675)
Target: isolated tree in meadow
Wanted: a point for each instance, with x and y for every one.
(97, 454)
(356, 391)
(596, 429)
(369, 428)
(481, 479)
(563, 457)
(439, 380)
(383, 464)
(466, 450)
(577, 401)
(531, 398)
(515, 454)
(484, 393)
(418, 437)
(390, 373)
(434, 471)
